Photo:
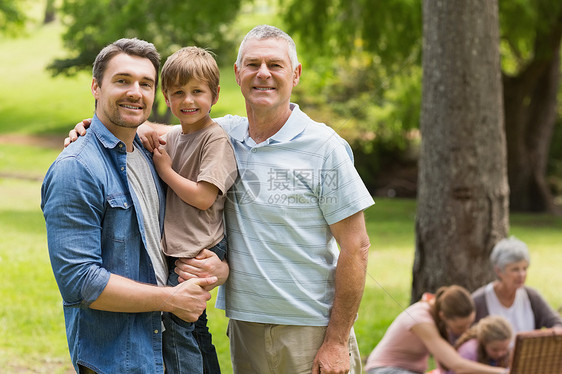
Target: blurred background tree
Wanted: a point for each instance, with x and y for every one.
(531, 36)
(371, 84)
(364, 57)
(12, 16)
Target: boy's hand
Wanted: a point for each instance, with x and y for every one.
(149, 137)
(78, 130)
(162, 161)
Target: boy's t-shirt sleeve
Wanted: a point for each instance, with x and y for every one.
(218, 164)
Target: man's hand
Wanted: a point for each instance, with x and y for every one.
(78, 130)
(332, 359)
(205, 264)
(189, 299)
(149, 137)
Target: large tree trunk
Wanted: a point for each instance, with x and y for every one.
(530, 116)
(462, 192)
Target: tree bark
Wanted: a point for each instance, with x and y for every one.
(463, 191)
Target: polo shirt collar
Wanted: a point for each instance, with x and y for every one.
(239, 132)
(292, 128)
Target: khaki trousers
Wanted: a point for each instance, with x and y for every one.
(278, 349)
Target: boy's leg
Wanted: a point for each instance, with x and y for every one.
(205, 341)
(181, 351)
(202, 334)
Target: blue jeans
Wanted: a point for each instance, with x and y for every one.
(188, 347)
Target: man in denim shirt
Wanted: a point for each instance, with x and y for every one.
(104, 207)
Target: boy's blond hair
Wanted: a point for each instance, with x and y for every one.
(191, 63)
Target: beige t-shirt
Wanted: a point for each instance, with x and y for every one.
(205, 155)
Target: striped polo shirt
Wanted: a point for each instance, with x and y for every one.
(281, 252)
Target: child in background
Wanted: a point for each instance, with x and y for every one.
(198, 165)
(487, 342)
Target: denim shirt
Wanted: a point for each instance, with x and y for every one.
(95, 228)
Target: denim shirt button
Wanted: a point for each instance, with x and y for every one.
(125, 205)
(156, 331)
(122, 168)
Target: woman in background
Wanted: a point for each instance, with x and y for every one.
(507, 296)
(428, 327)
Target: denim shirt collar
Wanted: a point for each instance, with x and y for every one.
(106, 137)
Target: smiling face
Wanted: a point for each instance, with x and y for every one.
(126, 93)
(265, 75)
(191, 104)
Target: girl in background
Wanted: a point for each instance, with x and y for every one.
(487, 342)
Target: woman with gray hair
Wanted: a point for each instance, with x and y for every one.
(508, 296)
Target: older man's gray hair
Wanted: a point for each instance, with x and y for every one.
(262, 32)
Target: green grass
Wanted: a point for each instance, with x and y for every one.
(32, 101)
(30, 312)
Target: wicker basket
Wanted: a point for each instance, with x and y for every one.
(538, 352)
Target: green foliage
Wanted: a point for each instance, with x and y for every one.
(92, 24)
(12, 16)
(526, 29)
(389, 29)
(372, 106)
(366, 57)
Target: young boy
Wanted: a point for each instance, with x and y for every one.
(198, 165)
